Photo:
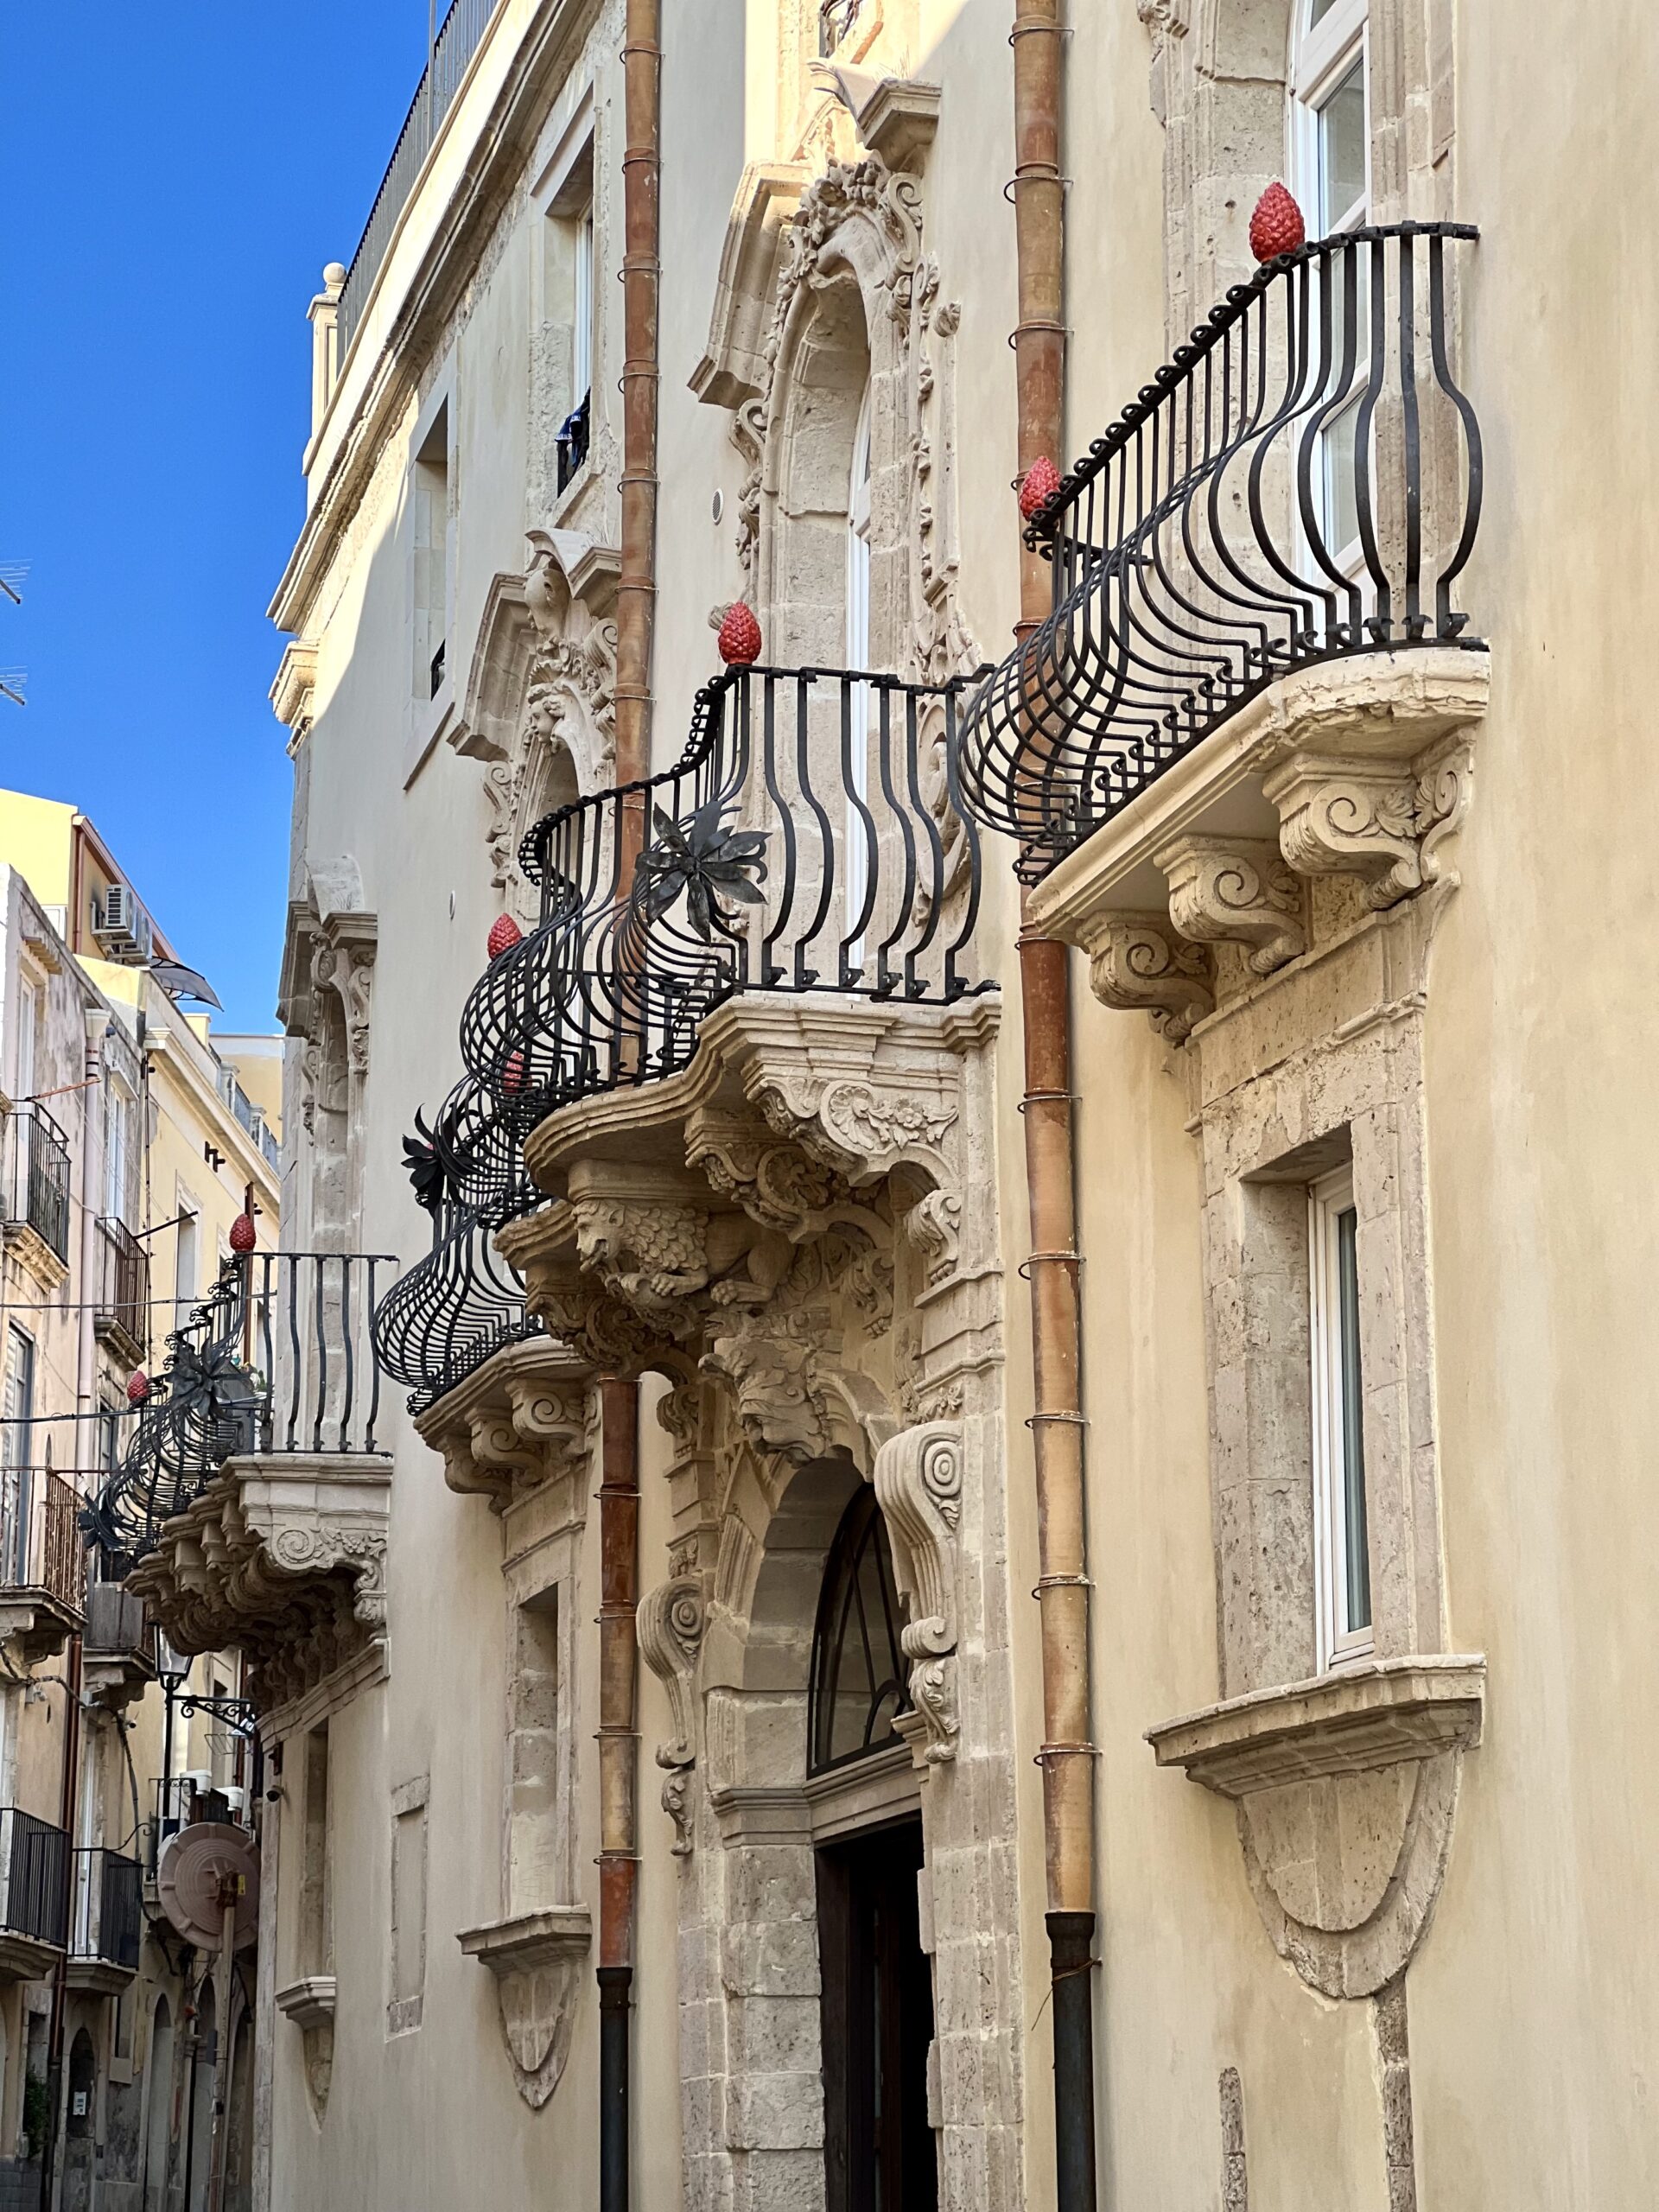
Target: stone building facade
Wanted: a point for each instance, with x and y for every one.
(1361, 1358)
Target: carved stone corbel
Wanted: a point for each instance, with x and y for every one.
(776, 1184)
(671, 1622)
(1239, 888)
(536, 1960)
(1341, 815)
(919, 1476)
(1139, 961)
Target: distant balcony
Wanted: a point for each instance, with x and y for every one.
(37, 1191)
(249, 1508)
(34, 1895)
(117, 1659)
(808, 848)
(42, 1561)
(121, 1316)
(1300, 486)
(106, 1926)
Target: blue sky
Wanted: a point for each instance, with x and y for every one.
(174, 180)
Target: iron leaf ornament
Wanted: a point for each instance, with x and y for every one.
(705, 861)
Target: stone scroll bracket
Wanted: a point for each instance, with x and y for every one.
(918, 1480)
(671, 1622)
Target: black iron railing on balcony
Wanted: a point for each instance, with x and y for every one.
(1302, 482)
(37, 1195)
(121, 1317)
(458, 39)
(278, 1359)
(570, 442)
(810, 839)
(34, 1877)
(107, 1922)
(40, 1538)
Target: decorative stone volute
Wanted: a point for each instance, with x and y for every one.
(672, 1618)
(919, 1481)
(521, 1420)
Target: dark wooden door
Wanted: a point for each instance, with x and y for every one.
(878, 2022)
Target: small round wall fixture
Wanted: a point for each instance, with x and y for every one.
(717, 505)
(504, 933)
(244, 1236)
(740, 636)
(137, 1387)
(1039, 484)
(1277, 226)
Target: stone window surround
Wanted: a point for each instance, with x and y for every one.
(408, 1799)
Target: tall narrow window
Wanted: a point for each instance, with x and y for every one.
(188, 1261)
(407, 1906)
(15, 1445)
(29, 1016)
(317, 1925)
(1330, 122)
(431, 488)
(570, 311)
(1343, 1573)
(117, 1109)
(858, 656)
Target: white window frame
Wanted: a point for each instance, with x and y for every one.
(28, 1019)
(858, 656)
(582, 311)
(1341, 1639)
(119, 1102)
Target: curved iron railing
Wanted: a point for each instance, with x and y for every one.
(811, 838)
(1301, 482)
(277, 1358)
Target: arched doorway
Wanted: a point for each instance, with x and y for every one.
(158, 2108)
(877, 2001)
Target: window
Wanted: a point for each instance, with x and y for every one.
(1342, 1574)
(316, 1927)
(118, 1114)
(535, 1853)
(857, 1681)
(570, 312)
(29, 1016)
(430, 494)
(188, 1261)
(1330, 154)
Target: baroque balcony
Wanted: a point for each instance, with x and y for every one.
(792, 904)
(250, 1507)
(1255, 671)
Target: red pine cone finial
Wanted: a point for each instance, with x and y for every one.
(513, 1075)
(242, 1233)
(1277, 227)
(1041, 481)
(740, 636)
(504, 933)
(137, 1387)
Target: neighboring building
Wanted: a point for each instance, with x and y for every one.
(1300, 1830)
(131, 1144)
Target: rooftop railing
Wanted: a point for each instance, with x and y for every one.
(277, 1360)
(810, 839)
(458, 39)
(1302, 483)
(37, 1194)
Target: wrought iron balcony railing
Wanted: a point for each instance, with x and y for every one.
(810, 839)
(34, 1877)
(121, 1317)
(1302, 482)
(39, 1539)
(37, 1194)
(278, 1359)
(458, 39)
(107, 1921)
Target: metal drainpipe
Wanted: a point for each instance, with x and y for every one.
(618, 1496)
(619, 1864)
(1068, 1753)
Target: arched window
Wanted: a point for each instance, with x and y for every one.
(857, 1681)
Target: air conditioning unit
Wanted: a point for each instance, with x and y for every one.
(237, 1800)
(122, 927)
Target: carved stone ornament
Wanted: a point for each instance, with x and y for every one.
(670, 1625)
(520, 1421)
(919, 1478)
(309, 2003)
(1348, 815)
(538, 1959)
(1238, 888)
(1139, 961)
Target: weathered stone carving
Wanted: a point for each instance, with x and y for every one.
(520, 1420)
(1236, 887)
(1137, 962)
(918, 1478)
(1348, 815)
(536, 1959)
(670, 1625)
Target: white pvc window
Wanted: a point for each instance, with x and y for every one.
(1342, 1558)
(118, 1108)
(581, 309)
(1330, 161)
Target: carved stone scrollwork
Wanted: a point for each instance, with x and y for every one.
(670, 1625)
(1140, 963)
(1352, 816)
(776, 1184)
(652, 1256)
(919, 1478)
(1236, 887)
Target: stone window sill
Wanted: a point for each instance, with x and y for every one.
(309, 2002)
(530, 1940)
(1351, 1721)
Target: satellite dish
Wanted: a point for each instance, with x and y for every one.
(205, 1870)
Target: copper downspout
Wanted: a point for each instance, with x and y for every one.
(1068, 1752)
(618, 1495)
